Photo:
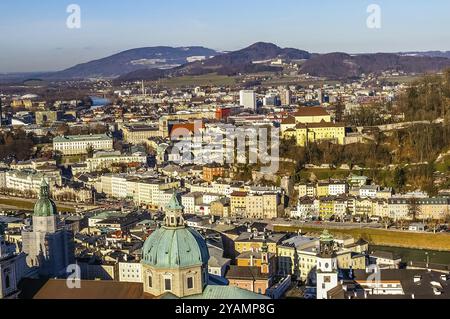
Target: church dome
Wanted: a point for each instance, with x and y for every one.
(175, 248)
(174, 245)
(45, 207)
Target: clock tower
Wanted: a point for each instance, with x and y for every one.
(327, 270)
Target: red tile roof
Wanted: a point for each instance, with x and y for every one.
(311, 111)
(91, 289)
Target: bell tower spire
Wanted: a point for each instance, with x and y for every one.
(44, 192)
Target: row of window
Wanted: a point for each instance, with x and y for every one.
(168, 283)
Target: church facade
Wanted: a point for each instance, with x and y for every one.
(12, 268)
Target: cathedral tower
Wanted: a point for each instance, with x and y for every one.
(50, 248)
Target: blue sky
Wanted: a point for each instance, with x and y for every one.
(34, 36)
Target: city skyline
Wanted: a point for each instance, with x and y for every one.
(36, 37)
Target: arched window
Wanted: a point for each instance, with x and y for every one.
(150, 280)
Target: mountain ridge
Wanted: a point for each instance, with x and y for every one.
(152, 63)
(159, 57)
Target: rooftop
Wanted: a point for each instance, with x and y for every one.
(311, 111)
(74, 138)
(251, 273)
(104, 289)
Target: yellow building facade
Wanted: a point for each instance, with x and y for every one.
(310, 125)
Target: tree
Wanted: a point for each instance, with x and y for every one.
(413, 208)
(340, 107)
(400, 178)
(90, 151)
(386, 222)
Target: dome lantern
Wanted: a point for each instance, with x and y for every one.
(174, 216)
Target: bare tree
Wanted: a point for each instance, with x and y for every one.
(414, 209)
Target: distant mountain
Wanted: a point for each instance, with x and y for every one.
(433, 54)
(257, 52)
(135, 59)
(342, 65)
(159, 62)
(20, 77)
(242, 61)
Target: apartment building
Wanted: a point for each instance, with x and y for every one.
(247, 99)
(306, 190)
(288, 253)
(154, 193)
(262, 206)
(106, 160)
(31, 180)
(139, 134)
(405, 208)
(256, 206)
(210, 172)
(238, 204)
(317, 132)
(190, 201)
(80, 144)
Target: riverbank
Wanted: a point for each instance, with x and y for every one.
(28, 205)
(416, 255)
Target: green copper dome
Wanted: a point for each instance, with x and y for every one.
(172, 248)
(45, 207)
(174, 245)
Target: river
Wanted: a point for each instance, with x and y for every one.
(409, 254)
(98, 102)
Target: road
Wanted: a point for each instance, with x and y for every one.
(295, 223)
